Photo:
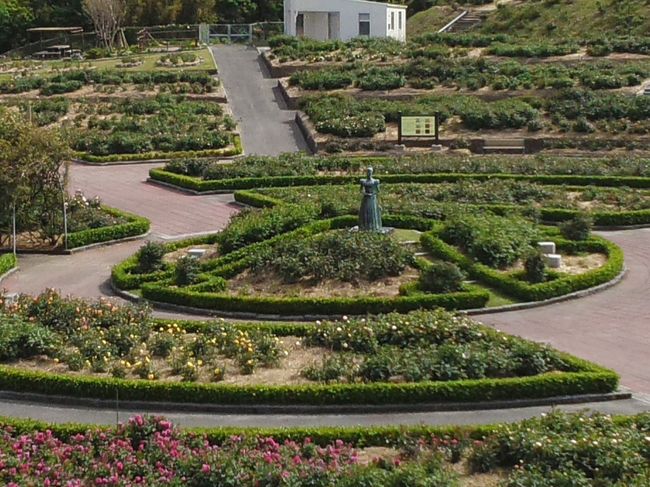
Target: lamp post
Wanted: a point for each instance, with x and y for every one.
(13, 227)
(65, 213)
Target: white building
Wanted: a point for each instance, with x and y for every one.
(344, 19)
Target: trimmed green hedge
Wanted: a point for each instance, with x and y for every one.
(588, 379)
(535, 292)
(7, 262)
(200, 185)
(358, 436)
(549, 215)
(313, 306)
(124, 275)
(136, 225)
(226, 152)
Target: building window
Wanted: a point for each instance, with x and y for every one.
(364, 24)
(399, 20)
(392, 21)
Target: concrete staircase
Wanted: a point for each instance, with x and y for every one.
(463, 22)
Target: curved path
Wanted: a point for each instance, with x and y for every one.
(611, 328)
(173, 215)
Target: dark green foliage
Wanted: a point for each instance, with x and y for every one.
(535, 267)
(22, 339)
(256, 225)
(441, 277)
(562, 450)
(493, 240)
(186, 271)
(150, 257)
(341, 255)
(578, 228)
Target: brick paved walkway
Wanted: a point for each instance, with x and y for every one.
(171, 213)
(611, 328)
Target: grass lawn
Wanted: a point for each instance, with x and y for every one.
(497, 298)
(49, 67)
(430, 20)
(405, 235)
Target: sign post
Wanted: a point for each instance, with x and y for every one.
(418, 126)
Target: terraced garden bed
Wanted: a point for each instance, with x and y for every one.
(132, 129)
(295, 170)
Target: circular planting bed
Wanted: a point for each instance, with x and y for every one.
(69, 347)
(286, 262)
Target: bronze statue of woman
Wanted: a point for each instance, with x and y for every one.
(369, 213)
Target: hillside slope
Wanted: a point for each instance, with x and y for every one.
(570, 18)
(545, 19)
(430, 20)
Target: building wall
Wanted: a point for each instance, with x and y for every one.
(349, 18)
(316, 25)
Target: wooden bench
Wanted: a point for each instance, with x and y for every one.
(504, 146)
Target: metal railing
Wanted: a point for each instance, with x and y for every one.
(451, 24)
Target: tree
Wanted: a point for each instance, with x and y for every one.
(32, 178)
(107, 17)
(15, 17)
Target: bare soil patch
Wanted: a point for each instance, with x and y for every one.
(298, 357)
(269, 284)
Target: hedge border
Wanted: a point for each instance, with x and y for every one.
(233, 263)
(135, 226)
(357, 436)
(588, 378)
(543, 291)
(199, 185)
(601, 219)
(235, 150)
(8, 262)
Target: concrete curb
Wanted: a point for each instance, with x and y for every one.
(189, 310)
(559, 299)
(77, 250)
(264, 409)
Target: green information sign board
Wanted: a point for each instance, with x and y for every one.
(418, 126)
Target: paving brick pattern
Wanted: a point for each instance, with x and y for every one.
(611, 328)
(172, 213)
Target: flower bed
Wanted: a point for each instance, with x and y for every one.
(299, 170)
(607, 206)
(472, 74)
(55, 346)
(131, 226)
(571, 111)
(587, 451)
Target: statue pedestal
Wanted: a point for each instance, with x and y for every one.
(383, 231)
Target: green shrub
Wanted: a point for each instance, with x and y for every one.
(341, 255)
(7, 262)
(535, 267)
(578, 228)
(376, 79)
(256, 225)
(23, 339)
(150, 257)
(362, 125)
(186, 271)
(493, 240)
(441, 277)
